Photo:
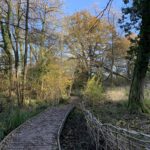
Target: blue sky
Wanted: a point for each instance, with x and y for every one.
(71, 6)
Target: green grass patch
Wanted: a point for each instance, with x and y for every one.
(12, 116)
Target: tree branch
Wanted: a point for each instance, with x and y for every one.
(115, 73)
(11, 24)
(100, 15)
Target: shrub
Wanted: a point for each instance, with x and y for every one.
(48, 81)
(93, 92)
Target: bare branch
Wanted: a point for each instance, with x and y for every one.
(100, 15)
(116, 73)
(11, 24)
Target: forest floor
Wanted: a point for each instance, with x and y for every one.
(114, 110)
(116, 113)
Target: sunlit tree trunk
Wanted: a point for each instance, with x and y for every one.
(112, 59)
(25, 53)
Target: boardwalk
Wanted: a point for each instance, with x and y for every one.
(38, 133)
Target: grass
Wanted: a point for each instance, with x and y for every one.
(114, 110)
(117, 114)
(12, 116)
(117, 93)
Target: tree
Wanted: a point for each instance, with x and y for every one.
(24, 72)
(118, 47)
(86, 47)
(139, 16)
(26, 35)
(6, 36)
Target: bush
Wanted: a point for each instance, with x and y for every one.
(48, 81)
(93, 92)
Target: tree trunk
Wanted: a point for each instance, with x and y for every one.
(113, 35)
(136, 96)
(25, 53)
(128, 69)
(16, 72)
(112, 61)
(17, 58)
(10, 79)
(7, 49)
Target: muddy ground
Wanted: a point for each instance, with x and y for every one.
(75, 134)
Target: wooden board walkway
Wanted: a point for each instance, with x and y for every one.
(38, 133)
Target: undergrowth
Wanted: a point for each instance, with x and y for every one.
(93, 92)
(12, 116)
(117, 113)
(114, 110)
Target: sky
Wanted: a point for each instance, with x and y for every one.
(71, 6)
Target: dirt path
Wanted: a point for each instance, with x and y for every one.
(38, 133)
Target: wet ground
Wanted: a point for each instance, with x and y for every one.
(75, 135)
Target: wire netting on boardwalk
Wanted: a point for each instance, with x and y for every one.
(109, 137)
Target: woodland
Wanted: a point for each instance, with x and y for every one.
(47, 57)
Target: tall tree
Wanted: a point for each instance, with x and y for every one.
(6, 36)
(139, 14)
(26, 51)
(86, 47)
(21, 29)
